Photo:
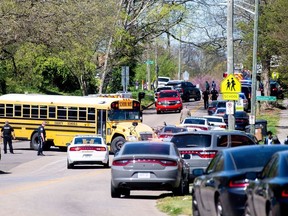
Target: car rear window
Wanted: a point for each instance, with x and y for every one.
(194, 121)
(88, 140)
(163, 79)
(256, 159)
(174, 129)
(222, 104)
(168, 94)
(146, 148)
(192, 140)
(214, 119)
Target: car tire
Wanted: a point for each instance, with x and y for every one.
(126, 192)
(106, 165)
(219, 208)
(195, 210)
(158, 111)
(34, 141)
(70, 165)
(115, 192)
(179, 191)
(117, 143)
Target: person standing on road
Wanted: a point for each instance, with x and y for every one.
(41, 138)
(270, 139)
(214, 94)
(206, 98)
(207, 85)
(185, 112)
(7, 135)
(213, 85)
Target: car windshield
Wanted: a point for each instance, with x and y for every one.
(255, 160)
(162, 79)
(168, 94)
(88, 140)
(214, 119)
(222, 104)
(146, 149)
(163, 88)
(116, 115)
(194, 121)
(192, 140)
(174, 129)
(220, 111)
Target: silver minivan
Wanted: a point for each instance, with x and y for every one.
(198, 148)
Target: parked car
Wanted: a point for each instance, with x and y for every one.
(193, 123)
(245, 101)
(169, 130)
(148, 165)
(168, 100)
(87, 149)
(220, 189)
(268, 194)
(241, 120)
(217, 122)
(214, 105)
(247, 90)
(186, 89)
(199, 147)
(276, 90)
(220, 112)
(162, 81)
(156, 93)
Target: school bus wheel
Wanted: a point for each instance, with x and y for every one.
(117, 143)
(34, 141)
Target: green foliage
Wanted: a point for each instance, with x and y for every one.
(175, 206)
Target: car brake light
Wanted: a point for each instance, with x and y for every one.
(223, 126)
(284, 193)
(202, 154)
(238, 183)
(154, 161)
(87, 148)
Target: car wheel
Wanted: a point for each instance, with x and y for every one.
(247, 211)
(106, 165)
(179, 191)
(70, 165)
(195, 210)
(34, 141)
(158, 111)
(115, 192)
(117, 143)
(219, 208)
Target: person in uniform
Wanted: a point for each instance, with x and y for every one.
(214, 94)
(206, 95)
(41, 138)
(7, 135)
(185, 112)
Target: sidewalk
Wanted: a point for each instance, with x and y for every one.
(282, 127)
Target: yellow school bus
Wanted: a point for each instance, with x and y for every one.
(115, 118)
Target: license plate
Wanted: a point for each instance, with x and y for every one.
(143, 175)
(87, 155)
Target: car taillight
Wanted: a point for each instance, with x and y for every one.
(284, 193)
(202, 154)
(238, 183)
(153, 161)
(87, 148)
(223, 126)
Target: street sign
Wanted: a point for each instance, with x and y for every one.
(239, 105)
(149, 62)
(230, 108)
(230, 85)
(266, 98)
(230, 96)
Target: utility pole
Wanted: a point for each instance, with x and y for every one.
(230, 53)
(179, 57)
(148, 69)
(254, 70)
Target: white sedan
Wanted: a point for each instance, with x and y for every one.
(88, 149)
(196, 123)
(217, 122)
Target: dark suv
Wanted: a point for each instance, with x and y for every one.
(198, 148)
(186, 89)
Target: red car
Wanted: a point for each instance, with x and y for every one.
(168, 100)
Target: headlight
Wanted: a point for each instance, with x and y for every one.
(178, 102)
(131, 138)
(159, 102)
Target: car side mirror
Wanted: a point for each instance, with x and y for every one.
(198, 172)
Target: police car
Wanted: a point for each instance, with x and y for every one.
(87, 149)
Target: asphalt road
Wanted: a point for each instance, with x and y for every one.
(35, 185)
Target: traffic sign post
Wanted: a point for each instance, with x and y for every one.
(125, 78)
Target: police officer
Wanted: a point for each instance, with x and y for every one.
(7, 134)
(41, 138)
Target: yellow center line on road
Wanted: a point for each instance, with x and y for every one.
(33, 185)
(196, 108)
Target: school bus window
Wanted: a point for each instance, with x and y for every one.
(43, 112)
(82, 113)
(26, 111)
(2, 109)
(91, 114)
(17, 110)
(72, 113)
(61, 112)
(52, 112)
(35, 111)
(9, 109)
